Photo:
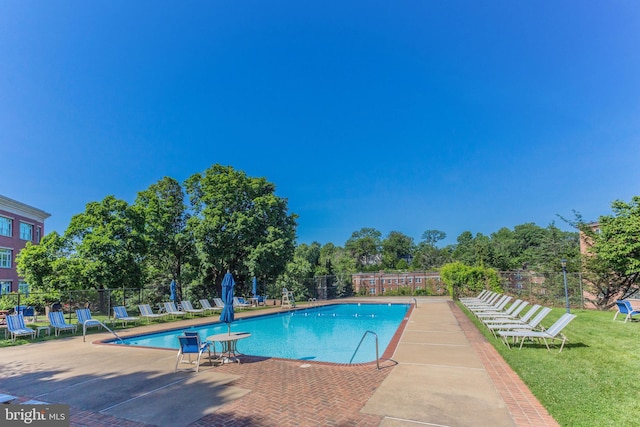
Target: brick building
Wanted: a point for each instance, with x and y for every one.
(379, 283)
(19, 224)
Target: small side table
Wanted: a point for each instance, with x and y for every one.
(43, 329)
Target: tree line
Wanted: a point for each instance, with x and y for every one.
(223, 220)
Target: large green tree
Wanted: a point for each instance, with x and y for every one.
(428, 255)
(170, 247)
(397, 250)
(42, 265)
(105, 246)
(364, 246)
(612, 261)
(239, 224)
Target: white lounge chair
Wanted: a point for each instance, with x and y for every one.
(519, 325)
(553, 333)
(499, 306)
(206, 305)
(188, 307)
(147, 312)
(120, 313)
(219, 303)
(513, 310)
(514, 317)
(171, 309)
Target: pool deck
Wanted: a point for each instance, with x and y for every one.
(442, 372)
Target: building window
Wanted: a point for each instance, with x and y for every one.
(5, 258)
(418, 280)
(26, 231)
(5, 226)
(5, 287)
(23, 287)
(372, 291)
(38, 234)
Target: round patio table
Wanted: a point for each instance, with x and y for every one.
(229, 342)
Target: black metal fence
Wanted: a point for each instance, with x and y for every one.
(542, 288)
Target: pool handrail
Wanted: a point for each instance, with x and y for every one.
(358, 347)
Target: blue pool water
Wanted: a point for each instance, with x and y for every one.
(328, 333)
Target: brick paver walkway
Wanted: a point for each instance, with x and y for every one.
(295, 393)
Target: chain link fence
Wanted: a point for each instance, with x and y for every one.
(542, 288)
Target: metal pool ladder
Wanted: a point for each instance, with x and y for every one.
(358, 347)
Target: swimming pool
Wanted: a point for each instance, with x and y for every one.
(328, 334)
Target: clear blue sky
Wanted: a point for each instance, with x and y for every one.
(396, 115)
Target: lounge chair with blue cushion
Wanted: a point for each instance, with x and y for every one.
(206, 305)
(190, 345)
(240, 303)
(85, 319)
(56, 318)
(625, 308)
(27, 311)
(17, 328)
(188, 307)
(120, 313)
(147, 312)
(553, 333)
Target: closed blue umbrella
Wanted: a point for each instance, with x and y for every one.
(255, 288)
(227, 298)
(172, 287)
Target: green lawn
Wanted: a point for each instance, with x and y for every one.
(594, 381)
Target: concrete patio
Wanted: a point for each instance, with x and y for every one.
(442, 372)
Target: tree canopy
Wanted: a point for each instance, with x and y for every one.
(612, 261)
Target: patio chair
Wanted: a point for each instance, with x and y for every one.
(120, 313)
(190, 345)
(240, 303)
(482, 296)
(519, 325)
(17, 328)
(489, 304)
(553, 333)
(26, 311)
(499, 306)
(188, 307)
(219, 303)
(147, 312)
(206, 305)
(56, 319)
(483, 315)
(624, 307)
(514, 318)
(171, 309)
(85, 319)
(488, 301)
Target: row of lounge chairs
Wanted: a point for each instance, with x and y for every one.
(16, 325)
(507, 323)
